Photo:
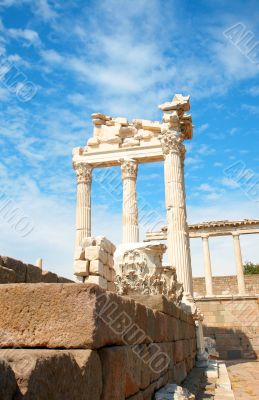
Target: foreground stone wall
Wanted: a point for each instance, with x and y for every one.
(223, 285)
(16, 271)
(77, 341)
(233, 323)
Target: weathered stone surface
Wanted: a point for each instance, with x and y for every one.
(18, 266)
(158, 302)
(7, 275)
(114, 372)
(97, 280)
(178, 351)
(55, 374)
(33, 274)
(49, 277)
(66, 315)
(61, 279)
(96, 253)
(81, 267)
(7, 381)
(96, 268)
(173, 392)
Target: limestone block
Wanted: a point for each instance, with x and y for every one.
(96, 268)
(55, 374)
(79, 253)
(121, 372)
(81, 267)
(106, 272)
(16, 265)
(110, 260)
(111, 287)
(105, 244)
(113, 274)
(33, 274)
(7, 275)
(95, 253)
(49, 277)
(97, 280)
(61, 279)
(121, 120)
(7, 381)
(158, 302)
(62, 316)
(130, 142)
(178, 351)
(180, 372)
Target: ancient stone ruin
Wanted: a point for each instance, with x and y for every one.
(129, 327)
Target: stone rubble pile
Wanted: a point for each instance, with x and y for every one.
(94, 262)
(174, 392)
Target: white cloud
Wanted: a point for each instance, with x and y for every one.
(27, 35)
(205, 150)
(203, 127)
(253, 91)
(230, 183)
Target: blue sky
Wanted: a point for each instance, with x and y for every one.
(123, 58)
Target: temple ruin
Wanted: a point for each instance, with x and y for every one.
(129, 327)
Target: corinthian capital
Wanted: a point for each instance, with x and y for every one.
(172, 143)
(83, 172)
(129, 168)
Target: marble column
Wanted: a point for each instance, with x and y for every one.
(239, 264)
(207, 265)
(129, 168)
(177, 227)
(83, 206)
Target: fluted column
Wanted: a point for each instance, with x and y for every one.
(239, 265)
(83, 205)
(207, 265)
(177, 228)
(129, 168)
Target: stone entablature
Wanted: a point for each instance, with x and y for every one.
(213, 228)
(116, 138)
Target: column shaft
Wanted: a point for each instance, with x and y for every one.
(239, 265)
(130, 208)
(207, 265)
(83, 205)
(177, 228)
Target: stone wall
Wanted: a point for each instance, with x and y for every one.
(226, 285)
(16, 271)
(233, 323)
(77, 341)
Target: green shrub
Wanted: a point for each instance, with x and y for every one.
(250, 268)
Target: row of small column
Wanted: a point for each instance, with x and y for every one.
(129, 169)
(208, 269)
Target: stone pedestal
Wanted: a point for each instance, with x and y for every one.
(129, 168)
(83, 205)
